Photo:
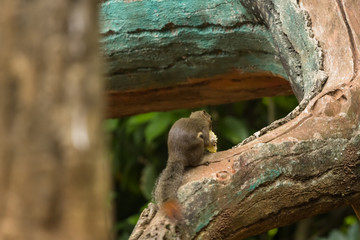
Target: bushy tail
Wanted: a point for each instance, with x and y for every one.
(172, 209)
(165, 194)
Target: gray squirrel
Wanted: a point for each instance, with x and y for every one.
(187, 141)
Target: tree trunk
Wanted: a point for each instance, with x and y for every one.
(53, 174)
(305, 164)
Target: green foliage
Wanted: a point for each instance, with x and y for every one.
(350, 220)
(350, 231)
(232, 129)
(148, 178)
(125, 227)
(157, 126)
(272, 233)
(283, 103)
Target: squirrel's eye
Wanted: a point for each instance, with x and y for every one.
(200, 135)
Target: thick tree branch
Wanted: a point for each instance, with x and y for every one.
(206, 52)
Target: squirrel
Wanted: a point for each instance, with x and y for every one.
(187, 140)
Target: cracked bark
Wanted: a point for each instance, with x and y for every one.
(142, 74)
(303, 165)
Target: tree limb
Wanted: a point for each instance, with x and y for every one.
(206, 52)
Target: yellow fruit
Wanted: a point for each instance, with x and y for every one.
(213, 142)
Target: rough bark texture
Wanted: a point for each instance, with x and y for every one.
(53, 174)
(302, 166)
(206, 52)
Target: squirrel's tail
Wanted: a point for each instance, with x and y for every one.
(172, 209)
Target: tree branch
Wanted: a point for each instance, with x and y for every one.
(206, 52)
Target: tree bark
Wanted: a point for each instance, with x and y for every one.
(204, 52)
(305, 164)
(53, 174)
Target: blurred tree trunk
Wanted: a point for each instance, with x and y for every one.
(53, 174)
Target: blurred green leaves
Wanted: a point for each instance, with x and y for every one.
(148, 178)
(157, 126)
(125, 227)
(350, 220)
(111, 125)
(271, 233)
(232, 129)
(350, 231)
(135, 122)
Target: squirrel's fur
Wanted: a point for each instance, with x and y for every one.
(187, 140)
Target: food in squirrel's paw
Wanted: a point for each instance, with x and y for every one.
(213, 142)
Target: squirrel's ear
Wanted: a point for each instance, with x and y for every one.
(200, 135)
